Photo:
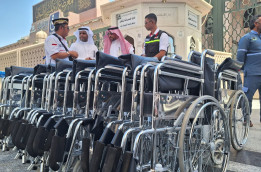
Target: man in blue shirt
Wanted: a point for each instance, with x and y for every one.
(249, 52)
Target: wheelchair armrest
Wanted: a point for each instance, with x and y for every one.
(114, 67)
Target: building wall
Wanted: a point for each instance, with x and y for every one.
(28, 56)
(173, 17)
(18, 44)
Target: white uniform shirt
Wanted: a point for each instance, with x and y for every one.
(84, 50)
(52, 46)
(115, 49)
(164, 41)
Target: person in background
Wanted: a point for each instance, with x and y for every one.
(56, 46)
(249, 52)
(84, 44)
(157, 42)
(115, 44)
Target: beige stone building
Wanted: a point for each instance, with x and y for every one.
(29, 50)
(181, 19)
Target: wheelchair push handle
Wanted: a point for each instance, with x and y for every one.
(209, 52)
(203, 55)
(174, 56)
(177, 57)
(197, 53)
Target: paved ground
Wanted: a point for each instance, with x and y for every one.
(9, 164)
(247, 160)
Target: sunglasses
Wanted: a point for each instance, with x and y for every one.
(67, 27)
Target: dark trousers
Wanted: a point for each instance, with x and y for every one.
(251, 84)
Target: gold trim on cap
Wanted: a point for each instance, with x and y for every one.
(60, 21)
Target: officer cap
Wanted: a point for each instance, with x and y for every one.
(60, 21)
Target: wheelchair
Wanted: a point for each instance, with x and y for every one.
(128, 113)
(145, 136)
(210, 145)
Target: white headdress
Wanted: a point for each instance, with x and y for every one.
(88, 31)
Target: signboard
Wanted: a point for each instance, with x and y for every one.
(51, 26)
(192, 20)
(127, 19)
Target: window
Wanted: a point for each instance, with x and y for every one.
(249, 13)
(209, 25)
(192, 46)
(171, 48)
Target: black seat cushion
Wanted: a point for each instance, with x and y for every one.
(103, 59)
(62, 64)
(16, 70)
(61, 127)
(7, 71)
(51, 68)
(40, 68)
(209, 73)
(231, 64)
(79, 65)
(132, 60)
(168, 83)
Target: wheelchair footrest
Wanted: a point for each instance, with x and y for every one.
(56, 152)
(128, 163)
(112, 159)
(85, 154)
(97, 156)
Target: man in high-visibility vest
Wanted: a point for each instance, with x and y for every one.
(157, 42)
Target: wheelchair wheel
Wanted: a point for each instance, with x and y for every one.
(204, 143)
(239, 120)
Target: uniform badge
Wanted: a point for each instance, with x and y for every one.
(253, 38)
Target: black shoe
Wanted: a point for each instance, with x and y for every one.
(251, 124)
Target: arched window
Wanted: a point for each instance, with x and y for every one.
(192, 43)
(209, 25)
(131, 41)
(249, 13)
(171, 48)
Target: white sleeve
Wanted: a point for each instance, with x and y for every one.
(164, 42)
(131, 50)
(96, 49)
(52, 46)
(143, 50)
(73, 47)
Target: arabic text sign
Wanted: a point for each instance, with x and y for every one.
(127, 19)
(192, 20)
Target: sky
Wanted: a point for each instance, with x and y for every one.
(16, 20)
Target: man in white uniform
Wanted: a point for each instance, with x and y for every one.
(115, 44)
(84, 44)
(55, 45)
